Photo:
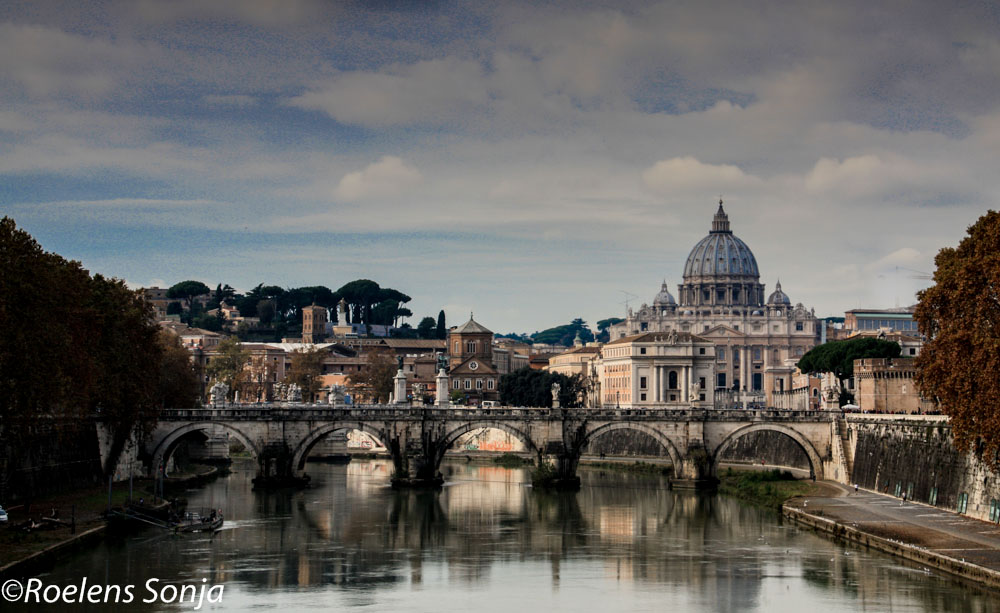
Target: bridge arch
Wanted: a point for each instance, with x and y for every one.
(166, 446)
(815, 462)
(301, 453)
(449, 439)
(662, 439)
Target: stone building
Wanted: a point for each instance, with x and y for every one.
(885, 385)
(470, 361)
(758, 337)
(657, 369)
(314, 329)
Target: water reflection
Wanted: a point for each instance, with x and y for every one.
(488, 541)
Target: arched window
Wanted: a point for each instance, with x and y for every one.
(672, 380)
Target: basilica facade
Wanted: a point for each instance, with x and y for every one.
(757, 337)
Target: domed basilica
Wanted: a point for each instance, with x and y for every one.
(721, 299)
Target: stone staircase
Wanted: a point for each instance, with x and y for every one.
(843, 443)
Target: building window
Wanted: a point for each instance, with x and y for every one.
(672, 380)
(798, 326)
(479, 384)
(642, 350)
(721, 354)
(720, 380)
(756, 353)
(456, 346)
(643, 326)
(706, 296)
(456, 383)
(468, 384)
(701, 351)
(489, 384)
(470, 346)
(758, 381)
(701, 382)
(913, 351)
(642, 382)
(642, 397)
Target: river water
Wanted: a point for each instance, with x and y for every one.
(488, 542)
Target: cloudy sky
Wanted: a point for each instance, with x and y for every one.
(532, 163)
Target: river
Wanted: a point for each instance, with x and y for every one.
(489, 542)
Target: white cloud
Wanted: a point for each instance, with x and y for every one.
(688, 174)
(390, 176)
(433, 91)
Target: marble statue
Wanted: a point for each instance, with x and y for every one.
(294, 393)
(219, 392)
(336, 394)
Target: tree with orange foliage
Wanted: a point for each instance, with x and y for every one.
(960, 315)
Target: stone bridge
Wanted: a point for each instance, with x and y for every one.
(280, 437)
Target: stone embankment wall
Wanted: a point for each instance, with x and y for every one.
(766, 447)
(626, 443)
(915, 455)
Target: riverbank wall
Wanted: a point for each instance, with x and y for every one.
(923, 556)
(915, 455)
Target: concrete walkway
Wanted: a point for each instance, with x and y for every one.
(943, 532)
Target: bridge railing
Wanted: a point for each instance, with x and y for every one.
(278, 412)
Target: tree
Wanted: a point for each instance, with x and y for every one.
(528, 387)
(188, 291)
(179, 381)
(564, 335)
(425, 329)
(360, 295)
(603, 332)
(374, 382)
(174, 308)
(442, 331)
(230, 362)
(265, 311)
(838, 357)
(96, 354)
(307, 366)
(960, 316)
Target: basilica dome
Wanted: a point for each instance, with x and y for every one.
(664, 298)
(778, 296)
(721, 253)
(721, 271)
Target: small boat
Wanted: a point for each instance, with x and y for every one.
(204, 520)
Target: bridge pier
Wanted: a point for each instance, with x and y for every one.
(276, 468)
(694, 471)
(416, 463)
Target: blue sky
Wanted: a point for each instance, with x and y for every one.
(527, 162)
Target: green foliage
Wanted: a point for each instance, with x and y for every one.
(838, 356)
(179, 386)
(266, 311)
(229, 364)
(457, 396)
(604, 324)
(528, 387)
(770, 488)
(544, 475)
(188, 291)
(305, 371)
(512, 460)
(441, 332)
(208, 322)
(71, 345)
(426, 328)
(564, 335)
(375, 381)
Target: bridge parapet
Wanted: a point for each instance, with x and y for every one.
(306, 412)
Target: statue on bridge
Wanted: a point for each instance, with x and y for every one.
(336, 395)
(219, 392)
(294, 393)
(555, 395)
